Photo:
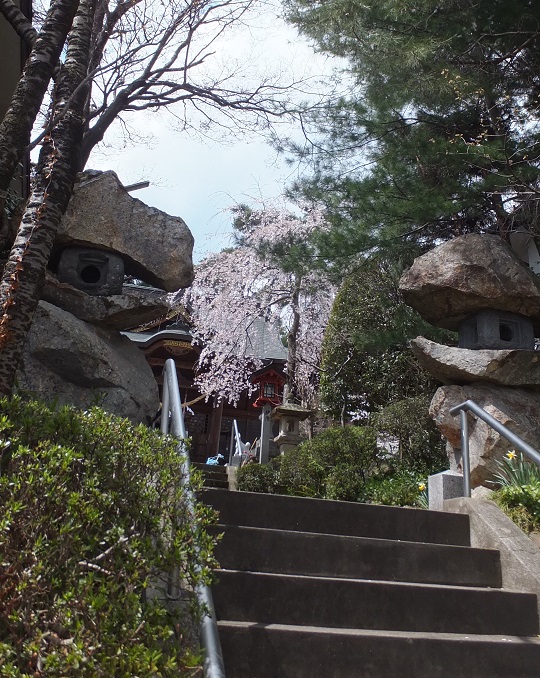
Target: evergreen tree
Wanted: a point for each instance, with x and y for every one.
(368, 372)
(440, 133)
(366, 361)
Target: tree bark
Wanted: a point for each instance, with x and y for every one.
(291, 389)
(19, 22)
(19, 119)
(59, 162)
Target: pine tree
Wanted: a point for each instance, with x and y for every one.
(440, 134)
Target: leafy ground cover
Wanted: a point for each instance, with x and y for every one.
(93, 515)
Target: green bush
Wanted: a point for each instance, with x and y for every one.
(519, 492)
(345, 482)
(421, 447)
(92, 514)
(300, 473)
(349, 445)
(339, 463)
(399, 488)
(333, 465)
(522, 504)
(257, 478)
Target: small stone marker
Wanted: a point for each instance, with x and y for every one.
(441, 486)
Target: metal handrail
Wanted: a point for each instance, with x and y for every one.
(237, 446)
(470, 406)
(172, 421)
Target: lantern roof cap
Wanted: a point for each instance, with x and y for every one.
(290, 410)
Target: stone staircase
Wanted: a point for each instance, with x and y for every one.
(324, 589)
(214, 476)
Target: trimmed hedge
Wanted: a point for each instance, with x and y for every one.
(339, 463)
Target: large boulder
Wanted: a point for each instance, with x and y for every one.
(517, 409)
(449, 365)
(155, 246)
(467, 274)
(71, 362)
(135, 306)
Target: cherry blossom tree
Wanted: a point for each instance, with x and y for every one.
(269, 274)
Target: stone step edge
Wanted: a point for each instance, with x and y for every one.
(405, 635)
(244, 508)
(377, 582)
(488, 565)
(221, 527)
(444, 515)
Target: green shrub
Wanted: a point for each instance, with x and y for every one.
(333, 465)
(522, 504)
(339, 463)
(93, 512)
(399, 488)
(300, 473)
(350, 445)
(345, 482)
(421, 447)
(257, 478)
(519, 492)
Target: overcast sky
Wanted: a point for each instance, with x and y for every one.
(197, 179)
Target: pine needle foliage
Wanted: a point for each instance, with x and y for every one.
(367, 363)
(437, 133)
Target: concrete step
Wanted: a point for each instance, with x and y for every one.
(279, 651)
(217, 484)
(286, 552)
(212, 470)
(321, 589)
(364, 604)
(214, 476)
(337, 517)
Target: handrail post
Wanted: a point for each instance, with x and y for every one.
(171, 404)
(465, 457)
(164, 427)
(231, 447)
(239, 445)
(470, 406)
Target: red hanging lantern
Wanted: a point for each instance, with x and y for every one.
(270, 385)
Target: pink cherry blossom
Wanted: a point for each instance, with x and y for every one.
(260, 278)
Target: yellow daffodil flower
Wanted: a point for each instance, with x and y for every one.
(512, 454)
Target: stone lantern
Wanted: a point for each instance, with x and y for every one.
(289, 416)
(93, 271)
(494, 329)
(476, 284)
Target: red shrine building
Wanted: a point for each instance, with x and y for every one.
(210, 424)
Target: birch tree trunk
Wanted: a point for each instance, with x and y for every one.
(59, 162)
(19, 119)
